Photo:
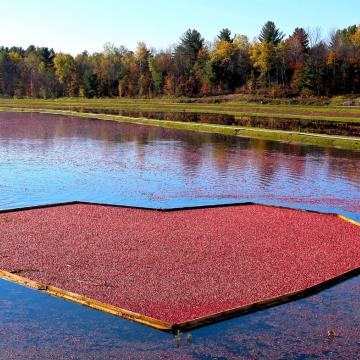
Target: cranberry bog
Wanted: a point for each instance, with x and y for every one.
(177, 269)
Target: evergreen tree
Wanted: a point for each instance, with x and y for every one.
(225, 35)
(191, 43)
(187, 51)
(270, 34)
(156, 74)
(89, 84)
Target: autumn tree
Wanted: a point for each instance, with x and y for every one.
(296, 52)
(142, 55)
(262, 55)
(65, 70)
(229, 65)
(301, 64)
(268, 56)
(343, 60)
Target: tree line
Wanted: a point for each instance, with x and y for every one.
(301, 64)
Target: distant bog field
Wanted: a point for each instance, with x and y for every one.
(327, 125)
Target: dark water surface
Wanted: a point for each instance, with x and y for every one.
(329, 127)
(46, 159)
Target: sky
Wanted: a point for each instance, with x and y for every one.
(73, 26)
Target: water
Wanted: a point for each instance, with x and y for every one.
(46, 159)
(297, 330)
(329, 127)
(49, 158)
(222, 119)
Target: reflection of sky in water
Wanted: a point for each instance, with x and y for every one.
(45, 159)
